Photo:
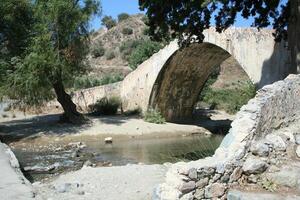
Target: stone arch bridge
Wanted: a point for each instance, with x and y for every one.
(172, 79)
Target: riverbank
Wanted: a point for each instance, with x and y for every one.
(13, 185)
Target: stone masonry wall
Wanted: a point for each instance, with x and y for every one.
(264, 136)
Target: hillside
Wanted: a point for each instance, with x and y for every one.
(111, 41)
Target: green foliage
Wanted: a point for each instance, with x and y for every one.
(110, 55)
(128, 46)
(106, 106)
(58, 45)
(88, 82)
(269, 185)
(136, 111)
(146, 31)
(145, 19)
(230, 100)
(189, 20)
(142, 52)
(127, 31)
(98, 50)
(154, 116)
(123, 16)
(108, 22)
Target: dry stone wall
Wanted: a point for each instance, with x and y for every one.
(261, 148)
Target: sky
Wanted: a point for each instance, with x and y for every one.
(115, 7)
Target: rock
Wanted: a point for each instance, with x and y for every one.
(76, 145)
(215, 190)
(108, 140)
(225, 178)
(199, 194)
(202, 183)
(236, 174)
(88, 163)
(287, 176)
(240, 153)
(216, 177)
(187, 187)
(252, 179)
(193, 173)
(75, 154)
(66, 187)
(254, 165)
(297, 138)
(188, 196)
(276, 141)
(244, 195)
(40, 168)
(298, 151)
(260, 148)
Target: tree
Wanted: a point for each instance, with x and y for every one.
(57, 51)
(15, 25)
(108, 22)
(186, 19)
(123, 16)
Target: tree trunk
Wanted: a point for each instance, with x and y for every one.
(70, 112)
(294, 34)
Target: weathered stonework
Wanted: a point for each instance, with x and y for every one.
(275, 112)
(172, 78)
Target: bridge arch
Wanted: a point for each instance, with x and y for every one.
(172, 78)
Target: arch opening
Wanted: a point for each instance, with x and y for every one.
(182, 78)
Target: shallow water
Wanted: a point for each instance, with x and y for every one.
(121, 152)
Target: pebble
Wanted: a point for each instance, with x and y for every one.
(215, 190)
(108, 140)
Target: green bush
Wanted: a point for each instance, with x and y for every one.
(123, 16)
(136, 111)
(154, 116)
(88, 81)
(108, 22)
(110, 55)
(145, 19)
(98, 52)
(142, 52)
(146, 31)
(127, 47)
(230, 100)
(127, 31)
(106, 106)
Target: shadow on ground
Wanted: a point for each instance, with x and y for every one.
(33, 127)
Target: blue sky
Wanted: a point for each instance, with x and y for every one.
(115, 7)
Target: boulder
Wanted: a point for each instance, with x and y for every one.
(276, 141)
(260, 148)
(215, 190)
(236, 174)
(254, 165)
(187, 187)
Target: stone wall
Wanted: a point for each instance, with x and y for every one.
(86, 97)
(262, 135)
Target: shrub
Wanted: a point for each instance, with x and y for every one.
(110, 55)
(146, 31)
(136, 111)
(108, 22)
(127, 47)
(123, 16)
(106, 106)
(154, 116)
(98, 52)
(127, 31)
(89, 81)
(145, 19)
(142, 52)
(230, 100)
